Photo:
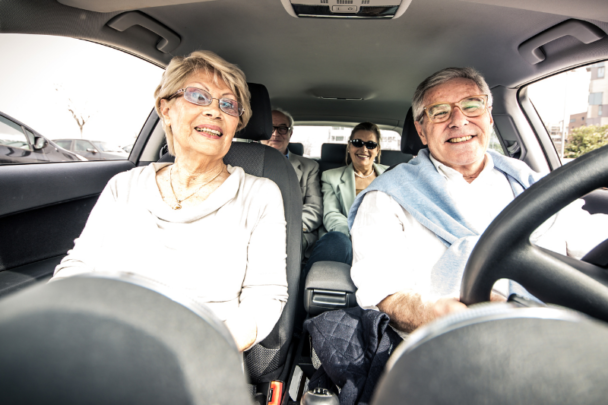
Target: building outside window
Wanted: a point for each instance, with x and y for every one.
(595, 98)
(600, 72)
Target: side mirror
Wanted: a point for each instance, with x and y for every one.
(91, 150)
(40, 143)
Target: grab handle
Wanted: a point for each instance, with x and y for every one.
(581, 30)
(167, 44)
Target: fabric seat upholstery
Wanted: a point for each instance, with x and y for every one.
(266, 360)
(332, 156)
(497, 354)
(410, 140)
(394, 157)
(297, 148)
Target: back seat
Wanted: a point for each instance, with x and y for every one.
(296, 148)
(333, 155)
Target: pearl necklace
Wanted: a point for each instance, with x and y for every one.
(364, 177)
(179, 202)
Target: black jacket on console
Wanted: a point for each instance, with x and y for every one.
(353, 346)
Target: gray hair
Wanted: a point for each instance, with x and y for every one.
(443, 76)
(285, 113)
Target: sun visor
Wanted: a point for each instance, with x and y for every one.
(111, 6)
(355, 9)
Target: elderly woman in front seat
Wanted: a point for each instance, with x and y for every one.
(340, 187)
(198, 225)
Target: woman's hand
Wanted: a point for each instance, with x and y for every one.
(243, 329)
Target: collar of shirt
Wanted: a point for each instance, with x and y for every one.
(454, 175)
(287, 154)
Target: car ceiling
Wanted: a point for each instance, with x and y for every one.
(380, 60)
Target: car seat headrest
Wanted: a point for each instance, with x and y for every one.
(259, 127)
(497, 354)
(410, 141)
(333, 153)
(296, 147)
(115, 340)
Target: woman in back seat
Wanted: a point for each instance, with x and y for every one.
(340, 187)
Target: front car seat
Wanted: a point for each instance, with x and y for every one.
(410, 140)
(115, 339)
(497, 354)
(266, 360)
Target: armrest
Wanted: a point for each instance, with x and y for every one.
(329, 286)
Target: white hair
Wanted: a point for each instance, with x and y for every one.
(285, 113)
(442, 77)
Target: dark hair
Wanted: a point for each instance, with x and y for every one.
(365, 126)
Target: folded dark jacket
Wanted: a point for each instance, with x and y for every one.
(353, 346)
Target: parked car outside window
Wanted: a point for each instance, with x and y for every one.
(19, 144)
(93, 150)
(84, 90)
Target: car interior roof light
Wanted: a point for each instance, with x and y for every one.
(353, 9)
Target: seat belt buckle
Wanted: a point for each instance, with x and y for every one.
(275, 393)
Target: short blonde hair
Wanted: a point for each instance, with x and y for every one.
(206, 61)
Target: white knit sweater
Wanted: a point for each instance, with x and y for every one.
(228, 252)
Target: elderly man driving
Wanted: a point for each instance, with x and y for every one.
(414, 228)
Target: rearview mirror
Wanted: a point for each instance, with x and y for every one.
(40, 143)
(91, 150)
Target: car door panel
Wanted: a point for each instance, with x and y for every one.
(43, 208)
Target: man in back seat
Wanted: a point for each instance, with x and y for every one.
(414, 228)
(307, 171)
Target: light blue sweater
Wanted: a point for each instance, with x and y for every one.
(421, 190)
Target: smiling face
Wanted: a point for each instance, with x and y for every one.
(200, 132)
(460, 142)
(363, 158)
(277, 140)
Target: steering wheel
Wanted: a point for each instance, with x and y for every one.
(504, 249)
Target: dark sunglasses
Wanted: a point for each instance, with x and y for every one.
(281, 130)
(358, 143)
(202, 97)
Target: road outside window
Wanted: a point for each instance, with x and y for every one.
(66, 89)
(572, 106)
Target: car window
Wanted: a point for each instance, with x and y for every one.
(495, 144)
(573, 107)
(64, 144)
(107, 147)
(83, 90)
(313, 137)
(12, 135)
(82, 146)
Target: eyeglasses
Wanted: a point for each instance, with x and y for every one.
(472, 106)
(203, 97)
(358, 143)
(281, 130)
